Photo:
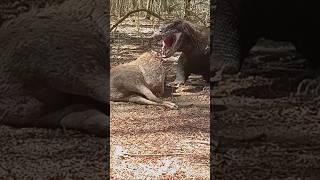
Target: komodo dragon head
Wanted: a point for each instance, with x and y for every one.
(178, 36)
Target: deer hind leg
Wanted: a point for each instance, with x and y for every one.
(142, 100)
(150, 96)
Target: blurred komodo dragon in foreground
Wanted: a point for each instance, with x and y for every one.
(54, 68)
(10, 9)
(239, 24)
(182, 36)
(139, 81)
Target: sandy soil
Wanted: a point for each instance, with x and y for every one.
(152, 142)
(267, 132)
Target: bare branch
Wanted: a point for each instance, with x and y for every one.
(135, 11)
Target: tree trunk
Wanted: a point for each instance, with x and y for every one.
(149, 7)
(187, 9)
(120, 8)
(164, 6)
(134, 4)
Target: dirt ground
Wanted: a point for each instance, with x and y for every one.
(267, 132)
(152, 142)
(31, 153)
